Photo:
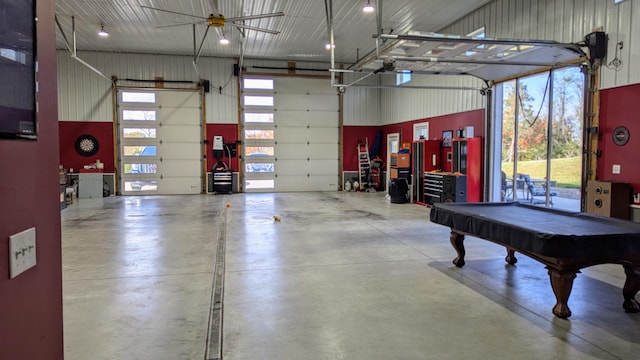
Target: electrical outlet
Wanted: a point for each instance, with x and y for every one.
(615, 169)
(22, 251)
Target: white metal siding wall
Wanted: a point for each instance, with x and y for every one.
(85, 96)
(399, 105)
(564, 21)
(362, 104)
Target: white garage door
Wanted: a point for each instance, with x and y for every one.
(291, 135)
(160, 142)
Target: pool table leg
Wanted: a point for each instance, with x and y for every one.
(457, 240)
(631, 288)
(511, 257)
(561, 283)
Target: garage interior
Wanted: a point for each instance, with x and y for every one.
(166, 262)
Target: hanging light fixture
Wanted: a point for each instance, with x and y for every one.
(328, 46)
(223, 40)
(368, 7)
(102, 32)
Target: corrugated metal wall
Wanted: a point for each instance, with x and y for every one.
(399, 105)
(85, 96)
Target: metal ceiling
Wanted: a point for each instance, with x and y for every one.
(303, 29)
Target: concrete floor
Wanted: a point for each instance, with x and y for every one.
(342, 276)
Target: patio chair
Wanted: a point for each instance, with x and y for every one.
(538, 189)
(507, 188)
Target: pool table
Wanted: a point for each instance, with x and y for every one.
(563, 241)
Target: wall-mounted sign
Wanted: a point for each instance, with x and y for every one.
(620, 135)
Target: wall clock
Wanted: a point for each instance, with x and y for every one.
(620, 135)
(86, 145)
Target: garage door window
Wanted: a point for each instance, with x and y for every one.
(251, 100)
(258, 84)
(258, 117)
(258, 134)
(139, 115)
(139, 133)
(139, 97)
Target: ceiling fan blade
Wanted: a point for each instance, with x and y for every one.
(181, 24)
(251, 17)
(173, 12)
(255, 28)
(215, 9)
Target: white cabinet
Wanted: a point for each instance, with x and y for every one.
(90, 185)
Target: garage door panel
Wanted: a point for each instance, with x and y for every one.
(323, 167)
(324, 183)
(292, 183)
(323, 151)
(291, 151)
(291, 134)
(178, 116)
(307, 118)
(323, 135)
(177, 155)
(306, 102)
(181, 168)
(291, 167)
(291, 85)
(178, 98)
(171, 185)
(307, 136)
(178, 151)
(174, 133)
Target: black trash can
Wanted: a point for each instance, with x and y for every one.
(398, 190)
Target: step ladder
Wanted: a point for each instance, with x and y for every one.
(364, 164)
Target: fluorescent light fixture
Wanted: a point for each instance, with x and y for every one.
(102, 32)
(368, 7)
(224, 40)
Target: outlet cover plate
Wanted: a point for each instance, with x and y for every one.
(22, 252)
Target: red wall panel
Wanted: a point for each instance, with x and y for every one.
(102, 131)
(351, 135)
(437, 125)
(229, 134)
(618, 108)
(31, 303)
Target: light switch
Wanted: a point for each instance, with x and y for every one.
(616, 169)
(22, 252)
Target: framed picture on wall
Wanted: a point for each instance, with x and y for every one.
(447, 137)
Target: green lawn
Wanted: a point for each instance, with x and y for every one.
(565, 172)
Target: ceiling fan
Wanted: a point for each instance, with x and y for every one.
(219, 21)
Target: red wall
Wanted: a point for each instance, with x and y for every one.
(229, 134)
(31, 303)
(102, 131)
(618, 107)
(437, 125)
(351, 135)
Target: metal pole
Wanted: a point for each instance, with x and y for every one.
(516, 120)
(549, 137)
(489, 142)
